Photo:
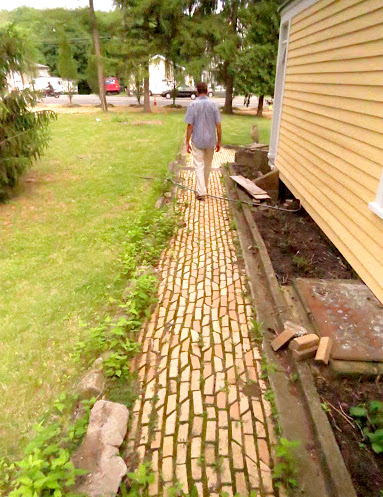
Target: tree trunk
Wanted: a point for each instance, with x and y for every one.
(138, 89)
(100, 72)
(174, 93)
(146, 90)
(228, 107)
(260, 106)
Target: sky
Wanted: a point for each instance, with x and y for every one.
(51, 4)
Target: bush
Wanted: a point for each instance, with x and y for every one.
(23, 132)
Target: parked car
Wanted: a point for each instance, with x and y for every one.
(181, 92)
(112, 85)
(184, 92)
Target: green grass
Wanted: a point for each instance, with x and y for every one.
(60, 240)
(236, 129)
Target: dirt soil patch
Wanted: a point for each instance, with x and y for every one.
(298, 248)
(144, 123)
(339, 394)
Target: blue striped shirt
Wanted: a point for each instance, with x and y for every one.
(204, 115)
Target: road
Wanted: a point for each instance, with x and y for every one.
(125, 100)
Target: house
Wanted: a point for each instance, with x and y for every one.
(161, 75)
(38, 79)
(327, 132)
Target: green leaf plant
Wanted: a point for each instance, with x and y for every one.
(369, 417)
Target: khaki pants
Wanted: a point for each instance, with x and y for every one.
(202, 159)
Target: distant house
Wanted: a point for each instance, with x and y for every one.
(161, 75)
(38, 78)
(327, 133)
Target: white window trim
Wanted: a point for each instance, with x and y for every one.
(290, 11)
(377, 206)
(283, 48)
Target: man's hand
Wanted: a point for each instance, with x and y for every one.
(189, 131)
(219, 137)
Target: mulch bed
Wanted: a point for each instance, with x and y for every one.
(298, 248)
(296, 245)
(364, 466)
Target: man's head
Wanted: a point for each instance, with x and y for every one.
(201, 88)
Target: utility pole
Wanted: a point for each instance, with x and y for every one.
(100, 72)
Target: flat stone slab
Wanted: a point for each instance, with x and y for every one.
(349, 313)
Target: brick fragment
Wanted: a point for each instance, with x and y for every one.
(282, 339)
(324, 350)
(304, 342)
(298, 330)
(300, 355)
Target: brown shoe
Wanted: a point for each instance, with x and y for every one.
(200, 197)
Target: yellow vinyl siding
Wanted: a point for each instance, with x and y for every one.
(373, 33)
(346, 200)
(372, 48)
(341, 169)
(362, 64)
(365, 107)
(320, 11)
(350, 21)
(330, 150)
(372, 94)
(359, 137)
(367, 123)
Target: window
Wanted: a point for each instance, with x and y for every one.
(377, 206)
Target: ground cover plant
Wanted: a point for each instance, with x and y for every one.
(354, 408)
(70, 238)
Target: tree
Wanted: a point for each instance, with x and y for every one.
(262, 51)
(97, 50)
(23, 131)
(173, 31)
(142, 34)
(217, 33)
(66, 64)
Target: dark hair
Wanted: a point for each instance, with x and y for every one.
(202, 88)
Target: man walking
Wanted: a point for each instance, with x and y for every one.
(203, 136)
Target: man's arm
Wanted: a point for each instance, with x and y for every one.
(189, 131)
(219, 137)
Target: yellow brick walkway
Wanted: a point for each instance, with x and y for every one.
(201, 418)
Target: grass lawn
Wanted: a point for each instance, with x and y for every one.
(60, 239)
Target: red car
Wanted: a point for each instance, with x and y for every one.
(112, 85)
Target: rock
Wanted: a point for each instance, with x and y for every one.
(98, 453)
(97, 364)
(91, 385)
(159, 203)
(270, 183)
(256, 159)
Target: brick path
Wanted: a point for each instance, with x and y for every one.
(201, 417)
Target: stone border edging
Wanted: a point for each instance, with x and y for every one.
(336, 481)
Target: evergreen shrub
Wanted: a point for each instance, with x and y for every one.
(23, 130)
